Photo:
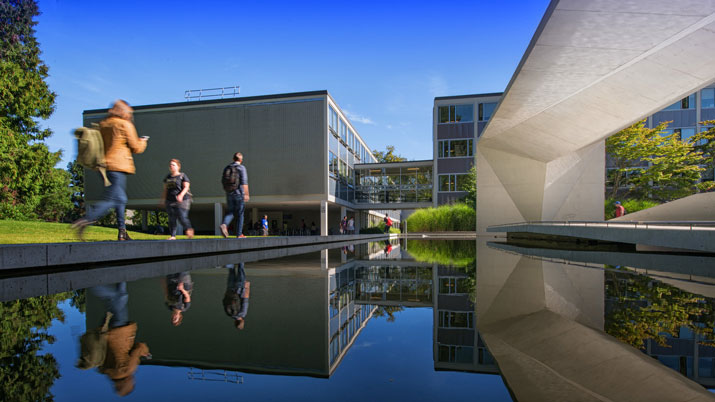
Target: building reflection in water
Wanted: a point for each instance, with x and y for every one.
(308, 310)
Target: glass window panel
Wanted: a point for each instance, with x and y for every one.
(462, 285)
(333, 144)
(707, 99)
(451, 113)
(446, 285)
(464, 113)
(687, 132)
(674, 106)
(464, 354)
(444, 183)
(689, 102)
(486, 110)
(460, 182)
(443, 353)
(459, 148)
(443, 112)
(343, 131)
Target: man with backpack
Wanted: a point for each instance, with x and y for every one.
(120, 141)
(235, 183)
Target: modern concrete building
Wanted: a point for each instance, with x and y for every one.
(457, 123)
(300, 151)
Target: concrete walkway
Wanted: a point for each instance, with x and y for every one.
(25, 256)
(693, 236)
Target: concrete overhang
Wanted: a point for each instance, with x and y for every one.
(594, 67)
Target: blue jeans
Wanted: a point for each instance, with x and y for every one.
(235, 207)
(115, 298)
(114, 196)
(175, 211)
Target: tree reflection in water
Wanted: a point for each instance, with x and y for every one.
(639, 308)
(25, 374)
(459, 255)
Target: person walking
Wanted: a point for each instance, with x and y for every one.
(351, 225)
(235, 184)
(264, 225)
(177, 199)
(620, 210)
(344, 225)
(238, 291)
(120, 142)
(388, 223)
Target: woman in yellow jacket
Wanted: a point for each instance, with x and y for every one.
(120, 142)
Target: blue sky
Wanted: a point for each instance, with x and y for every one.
(383, 62)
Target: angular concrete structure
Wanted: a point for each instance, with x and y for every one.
(591, 69)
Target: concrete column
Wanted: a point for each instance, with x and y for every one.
(358, 221)
(145, 220)
(218, 218)
(254, 215)
(324, 259)
(323, 218)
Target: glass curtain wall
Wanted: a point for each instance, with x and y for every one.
(395, 185)
(344, 151)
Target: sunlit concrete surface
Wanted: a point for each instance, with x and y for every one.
(687, 236)
(591, 69)
(543, 323)
(16, 256)
(697, 207)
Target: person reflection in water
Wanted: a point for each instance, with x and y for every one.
(235, 300)
(177, 295)
(123, 353)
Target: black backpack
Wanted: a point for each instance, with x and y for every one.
(230, 178)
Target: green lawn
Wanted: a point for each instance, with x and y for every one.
(20, 232)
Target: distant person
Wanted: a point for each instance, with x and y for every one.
(620, 211)
(344, 225)
(313, 229)
(388, 223)
(264, 225)
(123, 353)
(177, 295)
(177, 199)
(235, 300)
(120, 141)
(235, 183)
(351, 225)
(303, 227)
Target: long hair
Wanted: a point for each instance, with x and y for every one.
(121, 109)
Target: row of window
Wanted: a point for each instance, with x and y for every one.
(452, 182)
(454, 285)
(348, 137)
(455, 148)
(456, 319)
(340, 169)
(465, 113)
(707, 101)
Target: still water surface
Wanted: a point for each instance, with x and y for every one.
(372, 321)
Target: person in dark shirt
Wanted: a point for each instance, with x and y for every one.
(235, 300)
(236, 198)
(177, 295)
(177, 199)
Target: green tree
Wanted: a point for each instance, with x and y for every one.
(26, 164)
(387, 156)
(649, 163)
(76, 186)
(470, 186)
(704, 142)
(25, 373)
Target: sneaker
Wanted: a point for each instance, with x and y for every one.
(190, 233)
(171, 238)
(80, 225)
(123, 235)
(240, 236)
(224, 231)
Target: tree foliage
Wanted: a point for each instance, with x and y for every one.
(641, 308)
(388, 155)
(30, 186)
(470, 186)
(649, 163)
(25, 373)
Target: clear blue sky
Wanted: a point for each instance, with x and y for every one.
(383, 62)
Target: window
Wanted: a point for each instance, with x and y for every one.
(456, 319)
(351, 139)
(343, 132)
(456, 354)
(685, 103)
(333, 164)
(453, 285)
(707, 98)
(456, 113)
(486, 110)
(333, 120)
(451, 182)
(455, 148)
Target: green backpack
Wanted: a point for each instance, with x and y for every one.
(90, 150)
(93, 346)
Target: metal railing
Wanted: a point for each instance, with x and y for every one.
(211, 93)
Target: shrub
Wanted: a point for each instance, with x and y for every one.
(631, 205)
(447, 218)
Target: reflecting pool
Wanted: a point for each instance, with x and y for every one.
(400, 320)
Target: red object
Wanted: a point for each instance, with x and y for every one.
(620, 211)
